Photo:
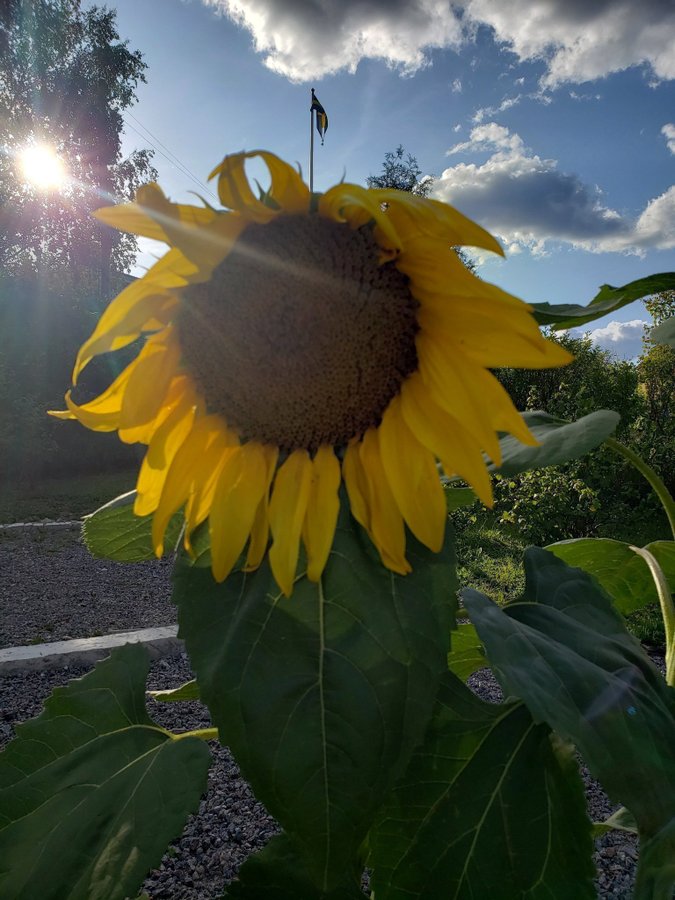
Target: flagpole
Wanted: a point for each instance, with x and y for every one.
(311, 147)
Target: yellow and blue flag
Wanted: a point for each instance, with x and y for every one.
(321, 116)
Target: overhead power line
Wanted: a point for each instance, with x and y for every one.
(171, 157)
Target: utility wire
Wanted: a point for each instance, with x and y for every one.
(174, 161)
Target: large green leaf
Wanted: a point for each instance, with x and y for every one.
(622, 572)
(114, 532)
(566, 652)
(665, 333)
(322, 696)
(466, 654)
(92, 791)
(607, 300)
(277, 872)
(490, 806)
(559, 441)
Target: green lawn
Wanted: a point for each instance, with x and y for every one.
(62, 498)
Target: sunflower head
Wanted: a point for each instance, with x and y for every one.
(295, 341)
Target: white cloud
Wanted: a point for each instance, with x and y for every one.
(457, 86)
(529, 202)
(303, 41)
(487, 112)
(489, 137)
(582, 40)
(668, 131)
(624, 339)
(578, 40)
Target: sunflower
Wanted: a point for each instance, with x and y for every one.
(296, 340)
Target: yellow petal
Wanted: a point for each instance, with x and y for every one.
(150, 212)
(356, 483)
(413, 477)
(178, 390)
(241, 485)
(287, 190)
(183, 473)
(288, 506)
(452, 389)
(103, 412)
(139, 307)
(161, 451)
(445, 437)
(358, 206)
(261, 527)
(412, 214)
(148, 384)
(200, 502)
(322, 511)
(386, 522)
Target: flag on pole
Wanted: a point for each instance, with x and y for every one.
(321, 116)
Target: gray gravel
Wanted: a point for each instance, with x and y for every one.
(51, 589)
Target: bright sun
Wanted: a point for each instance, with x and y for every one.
(42, 167)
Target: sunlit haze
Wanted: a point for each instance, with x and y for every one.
(42, 167)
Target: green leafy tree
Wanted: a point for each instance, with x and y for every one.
(402, 173)
(65, 80)
(655, 429)
(593, 495)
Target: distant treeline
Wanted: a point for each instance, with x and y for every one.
(43, 321)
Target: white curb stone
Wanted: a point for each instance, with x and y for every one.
(158, 641)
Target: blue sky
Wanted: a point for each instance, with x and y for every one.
(551, 122)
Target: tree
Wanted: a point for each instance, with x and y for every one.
(65, 80)
(656, 371)
(401, 173)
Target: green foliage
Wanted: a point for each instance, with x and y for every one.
(114, 532)
(92, 783)
(321, 697)
(621, 572)
(558, 440)
(607, 300)
(45, 320)
(401, 173)
(614, 704)
(65, 80)
(345, 706)
(599, 493)
(467, 654)
(522, 830)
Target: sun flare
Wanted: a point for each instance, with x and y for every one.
(42, 167)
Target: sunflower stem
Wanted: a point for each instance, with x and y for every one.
(204, 734)
(667, 609)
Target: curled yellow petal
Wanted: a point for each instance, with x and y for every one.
(288, 192)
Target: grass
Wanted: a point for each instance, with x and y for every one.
(490, 560)
(65, 497)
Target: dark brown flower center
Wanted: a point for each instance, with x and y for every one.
(300, 338)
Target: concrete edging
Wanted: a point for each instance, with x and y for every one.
(158, 641)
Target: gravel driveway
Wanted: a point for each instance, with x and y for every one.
(51, 589)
